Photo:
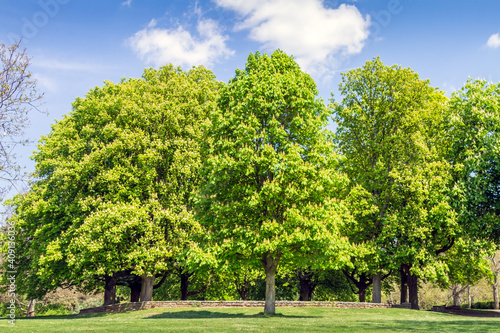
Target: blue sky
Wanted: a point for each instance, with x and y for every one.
(76, 44)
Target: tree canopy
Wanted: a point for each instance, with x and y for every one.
(114, 180)
(178, 177)
(271, 178)
(474, 134)
(390, 130)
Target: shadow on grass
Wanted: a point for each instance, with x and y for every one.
(205, 314)
(454, 325)
(451, 326)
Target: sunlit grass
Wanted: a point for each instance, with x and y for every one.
(253, 320)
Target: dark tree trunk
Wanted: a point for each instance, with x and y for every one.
(184, 285)
(377, 288)
(135, 292)
(413, 290)
(362, 282)
(270, 264)
(362, 295)
(147, 288)
(133, 281)
(163, 279)
(185, 293)
(135, 286)
(307, 284)
(404, 283)
(109, 290)
(306, 290)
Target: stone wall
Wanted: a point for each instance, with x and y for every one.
(241, 304)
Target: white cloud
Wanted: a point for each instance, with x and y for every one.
(179, 47)
(317, 36)
(127, 3)
(493, 41)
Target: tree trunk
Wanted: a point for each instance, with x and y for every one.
(495, 292)
(31, 308)
(456, 299)
(147, 288)
(377, 288)
(185, 293)
(135, 292)
(270, 266)
(306, 290)
(306, 284)
(469, 298)
(184, 286)
(361, 283)
(404, 283)
(413, 291)
(109, 290)
(362, 295)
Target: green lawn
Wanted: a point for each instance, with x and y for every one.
(287, 320)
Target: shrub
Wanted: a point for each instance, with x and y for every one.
(481, 305)
(53, 310)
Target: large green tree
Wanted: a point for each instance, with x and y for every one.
(271, 175)
(391, 133)
(114, 184)
(474, 133)
(474, 129)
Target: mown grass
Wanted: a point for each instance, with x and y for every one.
(253, 320)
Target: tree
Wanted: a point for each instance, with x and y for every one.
(18, 96)
(474, 131)
(271, 182)
(115, 178)
(390, 131)
(323, 284)
(466, 265)
(495, 271)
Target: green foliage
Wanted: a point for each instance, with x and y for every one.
(176, 172)
(474, 127)
(391, 134)
(219, 289)
(4, 311)
(480, 305)
(114, 180)
(333, 286)
(271, 183)
(467, 262)
(52, 310)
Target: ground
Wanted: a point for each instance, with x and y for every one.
(253, 320)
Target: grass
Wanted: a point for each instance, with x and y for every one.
(287, 320)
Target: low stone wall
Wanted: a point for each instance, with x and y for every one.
(240, 304)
